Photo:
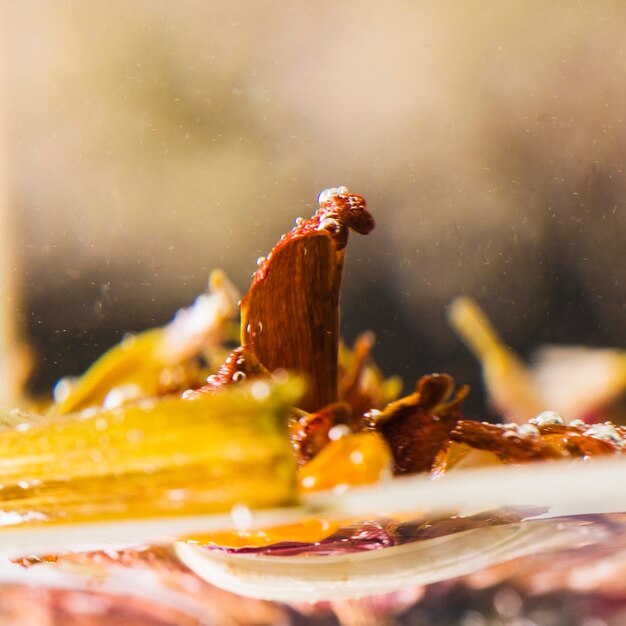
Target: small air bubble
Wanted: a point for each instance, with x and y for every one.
(89, 412)
(176, 495)
(338, 431)
(328, 223)
(508, 603)
(528, 430)
(607, 432)
(327, 194)
(128, 341)
(237, 376)
(62, 389)
(260, 390)
(474, 618)
(356, 457)
(122, 394)
(308, 482)
(547, 418)
(134, 435)
(241, 516)
(280, 375)
(96, 456)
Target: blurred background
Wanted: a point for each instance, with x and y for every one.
(145, 142)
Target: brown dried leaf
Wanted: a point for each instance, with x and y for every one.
(416, 427)
(291, 313)
(508, 445)
(552, 441)
(573, 440)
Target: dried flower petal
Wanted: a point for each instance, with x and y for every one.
(291, 313)
(361, 384)
(156, 361)
(310, 432)
(543, 441)
(416, 427)
(508, 445)
(242, 364)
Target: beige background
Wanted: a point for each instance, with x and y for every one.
(146, 142)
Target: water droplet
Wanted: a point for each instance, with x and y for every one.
(62, 389)
(607, 432)
(528, 430)
(547, 418)
(122, 394)
(327, 194)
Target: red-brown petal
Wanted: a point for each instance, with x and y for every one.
(291, 313)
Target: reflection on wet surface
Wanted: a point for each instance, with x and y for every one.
(571, 571)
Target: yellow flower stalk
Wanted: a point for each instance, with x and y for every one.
(154, 458)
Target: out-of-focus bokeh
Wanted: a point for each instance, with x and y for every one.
(146, 142)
